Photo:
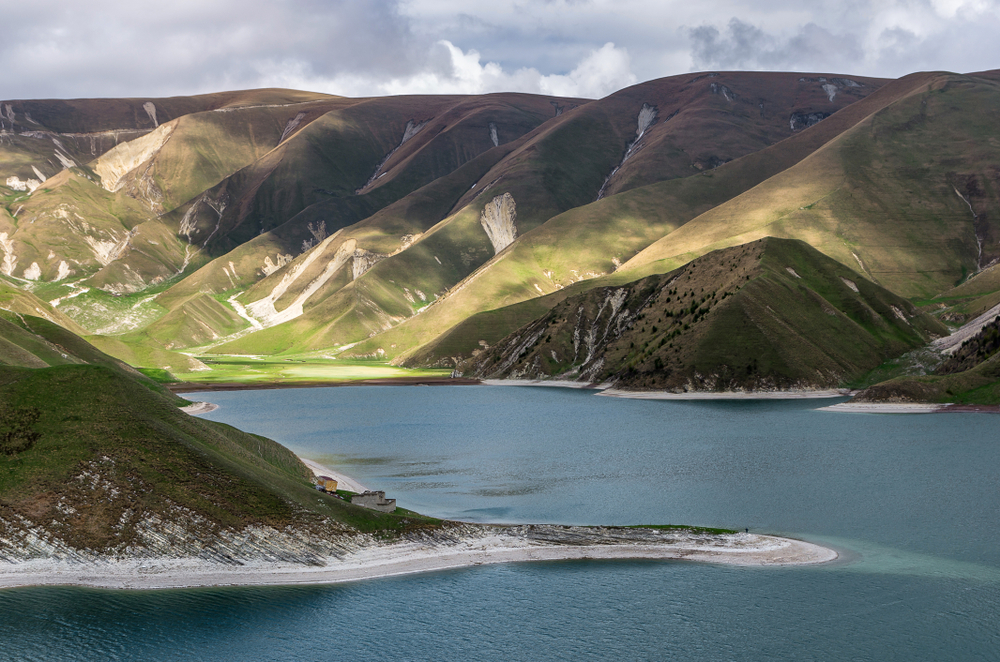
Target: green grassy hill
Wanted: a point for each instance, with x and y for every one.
(891, 196)
(874, 198)
(418, 229)
(970, 375)
(557, 168)
(587, 246)
(770, 314)
(93, 454)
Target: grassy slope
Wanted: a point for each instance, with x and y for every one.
(883, 193)
(17, 300)
(969, 376)
(83, 129)
(545, 172)
(584, 242)
(736, 318)
(49, 344)
(979, 385)
(969, 299)
(102, 421)
(153, 460)
(203, 147)
(320, 170)
(133, 351)
(558, 166)
(313, 179)
(302, 369)
(705, 120)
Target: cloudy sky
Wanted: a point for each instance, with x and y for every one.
(108, 48)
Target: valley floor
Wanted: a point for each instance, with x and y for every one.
(190, 387)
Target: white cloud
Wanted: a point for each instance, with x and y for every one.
(887, 38)
(598, 74)
(601, 72)
(570, 47)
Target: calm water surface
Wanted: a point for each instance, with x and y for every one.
(911, 501)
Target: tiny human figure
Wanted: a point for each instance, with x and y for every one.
(747, 530)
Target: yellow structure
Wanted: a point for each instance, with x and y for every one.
(328, 484)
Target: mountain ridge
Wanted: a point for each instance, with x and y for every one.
(419, 228)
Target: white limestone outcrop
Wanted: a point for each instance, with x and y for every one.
(9, 258)
(150, 109)
(17, 184)
(498, 220)
(115, 165)
(647, 115)
(263, 309)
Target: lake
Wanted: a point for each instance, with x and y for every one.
(910, 501)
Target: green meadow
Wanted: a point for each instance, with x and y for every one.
(268, 370)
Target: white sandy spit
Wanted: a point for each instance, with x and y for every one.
(198, 408)
(885, 408)
(801, 394)
(555, 383)
(405, 558)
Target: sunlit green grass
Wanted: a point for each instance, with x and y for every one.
(243, 369)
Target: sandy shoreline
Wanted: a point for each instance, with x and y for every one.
(457, 545)
(552, 383)
(610, 391)
(405, 558)
(601, 389)
(803, 394)
(344, 482)
(910, 408)
(198, 408)
(885, 408)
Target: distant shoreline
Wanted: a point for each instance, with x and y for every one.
(792, 394)
(607, 391)
(192, 387)
(910, 408)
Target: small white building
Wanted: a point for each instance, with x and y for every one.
(375, 501)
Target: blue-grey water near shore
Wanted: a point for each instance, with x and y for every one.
(910, 500)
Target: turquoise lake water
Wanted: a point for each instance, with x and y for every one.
(911, 501)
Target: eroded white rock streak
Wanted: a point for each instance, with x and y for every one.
(412, 129)
(150, 109)
(9, 258)
(950, 344)
(498, 220)
(291, 126)
(116, 164)
(647, 115)
(15, 183)
(263, 309)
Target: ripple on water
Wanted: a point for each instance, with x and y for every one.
(911, 500)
